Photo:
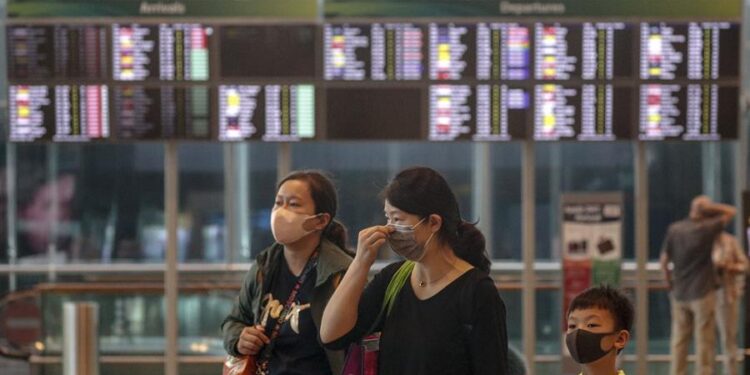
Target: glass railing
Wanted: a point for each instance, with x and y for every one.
(132, 317)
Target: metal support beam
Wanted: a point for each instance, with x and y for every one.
(52, 174)
(284, 161)
(641, 257)
(242, 202)
(482, 199)
(712, 171)
(171, 293)
(237, 202)
(10, 218)
(230, 190)
(528, 186)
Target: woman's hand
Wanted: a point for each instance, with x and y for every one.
(252, 340)
(369, 242)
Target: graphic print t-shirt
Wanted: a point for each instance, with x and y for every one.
(296, 350)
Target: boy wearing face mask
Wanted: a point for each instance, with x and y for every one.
(599, 323)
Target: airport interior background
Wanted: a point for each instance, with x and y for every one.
(142, 142)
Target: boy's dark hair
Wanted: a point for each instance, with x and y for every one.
(606, 298)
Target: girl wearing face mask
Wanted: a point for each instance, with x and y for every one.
(447, 318)
(277, 316)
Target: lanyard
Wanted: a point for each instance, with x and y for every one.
(266, 355)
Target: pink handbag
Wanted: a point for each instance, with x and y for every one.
(362, 357)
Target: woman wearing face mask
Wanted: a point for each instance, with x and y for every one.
(448, 317)
(277, 316)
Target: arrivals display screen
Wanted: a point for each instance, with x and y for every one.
(167, 52)
(45, 52)
(161, 112)
(268, 51)
(58, 113)
(268, 112)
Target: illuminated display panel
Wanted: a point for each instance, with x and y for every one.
(161, 112)
(57, 52)
(66, 113)
(377, 51)
(168, 52)
(693, 112)
(275, 113)
(481, 113)
(695, 50)
(557, 51)
(453, 51)
(442, 80)
(504, 51)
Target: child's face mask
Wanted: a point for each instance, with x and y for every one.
(586, 346)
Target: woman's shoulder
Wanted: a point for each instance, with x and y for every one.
(481, 286)
(478, 279)
(334, 257)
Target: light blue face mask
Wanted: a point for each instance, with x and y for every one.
(403, 243)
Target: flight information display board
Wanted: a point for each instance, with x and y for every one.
(280, 113)
(265, 51)
(357, 113)
(590, 112)
(504, 51)
(606, 51)
(438, 79)
(32, 111)
(161, 112)
(44, 52)
(452, 51)
(589, 51)
(557, 52)
(59, 113)
(168, 52)
(378, 52)
(693, 112)
(481, 113)
(695, 51)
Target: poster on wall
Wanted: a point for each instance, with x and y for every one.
(163, 8)
(592, 230)
(533, 8)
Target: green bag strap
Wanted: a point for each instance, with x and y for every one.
(394, 286)
(398, 280)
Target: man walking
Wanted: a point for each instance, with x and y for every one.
(692, 280)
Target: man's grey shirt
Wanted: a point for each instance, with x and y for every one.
(688, 245)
